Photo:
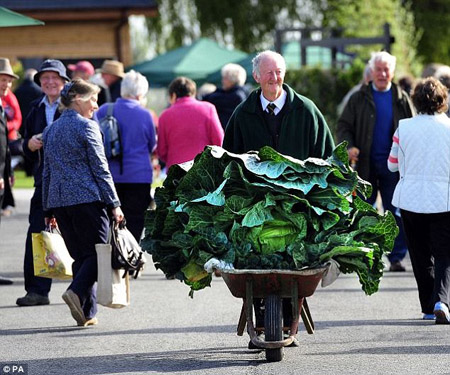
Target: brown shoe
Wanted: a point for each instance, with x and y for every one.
(73, 301)
(397, 267)
(90, 322)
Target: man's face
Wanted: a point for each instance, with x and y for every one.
(51, 84)
(271, 77)
(382, 75)
(109, 79)
(5, 84)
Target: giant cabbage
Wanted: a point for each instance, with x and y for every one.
(265, 210)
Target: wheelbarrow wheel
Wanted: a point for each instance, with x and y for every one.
(273, 326)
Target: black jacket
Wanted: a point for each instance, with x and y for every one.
(226, 102)
(358, 120)
(26, 93)
(5, 158)
(35, 123)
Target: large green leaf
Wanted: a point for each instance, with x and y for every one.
(266, 211)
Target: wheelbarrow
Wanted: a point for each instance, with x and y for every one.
(273, 286)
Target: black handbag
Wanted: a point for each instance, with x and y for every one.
(126, 252)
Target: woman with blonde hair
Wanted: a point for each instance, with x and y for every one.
(78, 192)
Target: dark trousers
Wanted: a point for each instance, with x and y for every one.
(82, 226)
(35, 284)
(2, 194)
(8, 199)
(428, 237)
(134, 201)
(385, 181)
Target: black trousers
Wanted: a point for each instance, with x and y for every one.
(428, 239)
(82, 226)
(134, 200)
(35, 284)
(8, 199)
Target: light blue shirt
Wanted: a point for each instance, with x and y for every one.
(50, 109)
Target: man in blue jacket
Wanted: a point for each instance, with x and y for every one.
(51, 76)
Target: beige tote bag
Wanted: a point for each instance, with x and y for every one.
(113, 290)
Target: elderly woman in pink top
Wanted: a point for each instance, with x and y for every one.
(187, 126)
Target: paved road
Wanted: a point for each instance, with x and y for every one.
(164, 331)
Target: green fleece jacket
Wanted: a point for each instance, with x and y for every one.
(304, 132)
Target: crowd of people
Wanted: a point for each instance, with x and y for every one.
(398, 139)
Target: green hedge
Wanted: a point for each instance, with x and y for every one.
(325, 88)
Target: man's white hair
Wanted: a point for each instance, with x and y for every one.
(385, 57)
(134, 85)
(265, 54)
(234, 73)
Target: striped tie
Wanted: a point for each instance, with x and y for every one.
(271, 108)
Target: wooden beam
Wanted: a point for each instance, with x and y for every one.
(91, 15)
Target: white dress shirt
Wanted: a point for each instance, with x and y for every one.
(279, 102)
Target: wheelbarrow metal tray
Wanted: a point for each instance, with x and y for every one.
(277, 282)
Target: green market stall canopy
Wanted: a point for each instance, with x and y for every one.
(8, 18)
(196, 61)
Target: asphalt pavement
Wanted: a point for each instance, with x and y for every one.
(164, 331)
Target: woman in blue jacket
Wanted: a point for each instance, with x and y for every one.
(78, 192)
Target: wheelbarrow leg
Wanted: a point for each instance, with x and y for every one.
(242, 319)
(295, 310)
(249, 313)
(306, 316)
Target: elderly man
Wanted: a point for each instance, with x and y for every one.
(368, 124)
(232, 93)
(112, 73)
(51, 76)
(6, 78)
(275, 115)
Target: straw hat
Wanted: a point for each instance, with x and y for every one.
(5, 68)
(112, 67)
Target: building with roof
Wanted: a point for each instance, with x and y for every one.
(74, 30)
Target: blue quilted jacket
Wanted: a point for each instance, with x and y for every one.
(75, 166)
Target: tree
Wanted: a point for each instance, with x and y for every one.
(432, 17)
(243, 24)
(249, 25)
(360, 18)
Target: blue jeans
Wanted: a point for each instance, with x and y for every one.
(385, 181)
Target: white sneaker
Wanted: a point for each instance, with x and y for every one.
(442, 313)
